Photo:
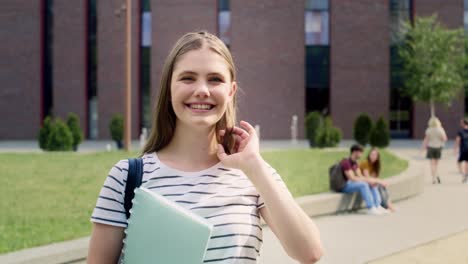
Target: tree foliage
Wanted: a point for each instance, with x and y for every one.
(433, 61)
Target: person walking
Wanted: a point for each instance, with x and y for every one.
(433, 143)
(461, 148)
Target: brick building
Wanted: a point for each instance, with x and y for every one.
(333, 56)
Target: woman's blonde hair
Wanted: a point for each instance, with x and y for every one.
(164, 118)
(434, 122)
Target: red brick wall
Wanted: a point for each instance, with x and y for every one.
(450, 12)
(20, 69)
(111, 65)
(268, 45)
(69, 57)
(360, 47)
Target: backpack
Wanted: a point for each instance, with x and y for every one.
(135, 174)
(337, 178)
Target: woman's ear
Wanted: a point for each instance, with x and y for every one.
(233, 90)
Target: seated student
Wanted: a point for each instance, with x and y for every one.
(355, 182)
(370, 168)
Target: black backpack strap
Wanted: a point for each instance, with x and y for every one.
(135, 173)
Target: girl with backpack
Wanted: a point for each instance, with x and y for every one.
(199, 158)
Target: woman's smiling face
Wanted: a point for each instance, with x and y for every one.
(201, 88)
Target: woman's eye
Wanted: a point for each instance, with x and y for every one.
(216, 79)
(187, 79)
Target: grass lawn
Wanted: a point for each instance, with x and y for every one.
(49, 197)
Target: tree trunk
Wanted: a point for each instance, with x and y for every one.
(432, 108)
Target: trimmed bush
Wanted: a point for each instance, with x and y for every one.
(44, 133)
(380, 134)
(328, 135)
(73, 123)
(313, 121)
(116, 128)
(60, 137)
(362, 129)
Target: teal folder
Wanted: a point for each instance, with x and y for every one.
(162, 232)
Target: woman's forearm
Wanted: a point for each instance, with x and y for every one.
(296, 231)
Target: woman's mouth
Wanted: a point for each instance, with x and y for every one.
(200, 107)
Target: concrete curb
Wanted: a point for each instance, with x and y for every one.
(58, 253)
(405, 185)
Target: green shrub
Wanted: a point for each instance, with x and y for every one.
(328, 135)
(73, 123)
(380, 134)
(362, 129)
(116, 127)
(313, 122)
(60, 137)
(44, 132)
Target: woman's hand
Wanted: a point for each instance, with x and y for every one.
(383, 183)
(246, 150)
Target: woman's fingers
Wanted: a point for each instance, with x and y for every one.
(250, 129)
(240, 132)
(221, 153)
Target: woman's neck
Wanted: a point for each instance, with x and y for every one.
(191, 148)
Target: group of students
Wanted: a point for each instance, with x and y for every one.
(363, 177)
(434, 142)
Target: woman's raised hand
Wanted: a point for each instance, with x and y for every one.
(246, 150)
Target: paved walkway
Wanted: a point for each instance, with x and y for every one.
(439, 212)
(451, 249)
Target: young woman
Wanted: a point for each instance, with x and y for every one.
(197, 157)
(370, 168)
(433, 143)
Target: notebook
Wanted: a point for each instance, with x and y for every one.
(163, 232)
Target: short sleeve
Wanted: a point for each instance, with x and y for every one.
(364, 165)
(346, 165)
(109, 208)
(277, 177)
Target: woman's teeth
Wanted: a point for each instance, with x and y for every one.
(201, 106)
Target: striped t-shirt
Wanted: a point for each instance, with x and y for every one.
(224, 196)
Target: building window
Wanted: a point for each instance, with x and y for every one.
(317, 22)
(224, 22)
(317, 51)
(401, 106)
(92, 70)
(145, 64)
(400, 12)
(48, 18)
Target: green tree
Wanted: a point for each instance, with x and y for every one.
(380, 135)
(60, 137)
(327, 135)
(116, 128)
(313, 121)
(44, 132)
(433, 62)
(73, 123)
(362, 128)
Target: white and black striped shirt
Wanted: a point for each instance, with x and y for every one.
(223, 196)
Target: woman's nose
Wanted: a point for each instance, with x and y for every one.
(202, 90)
